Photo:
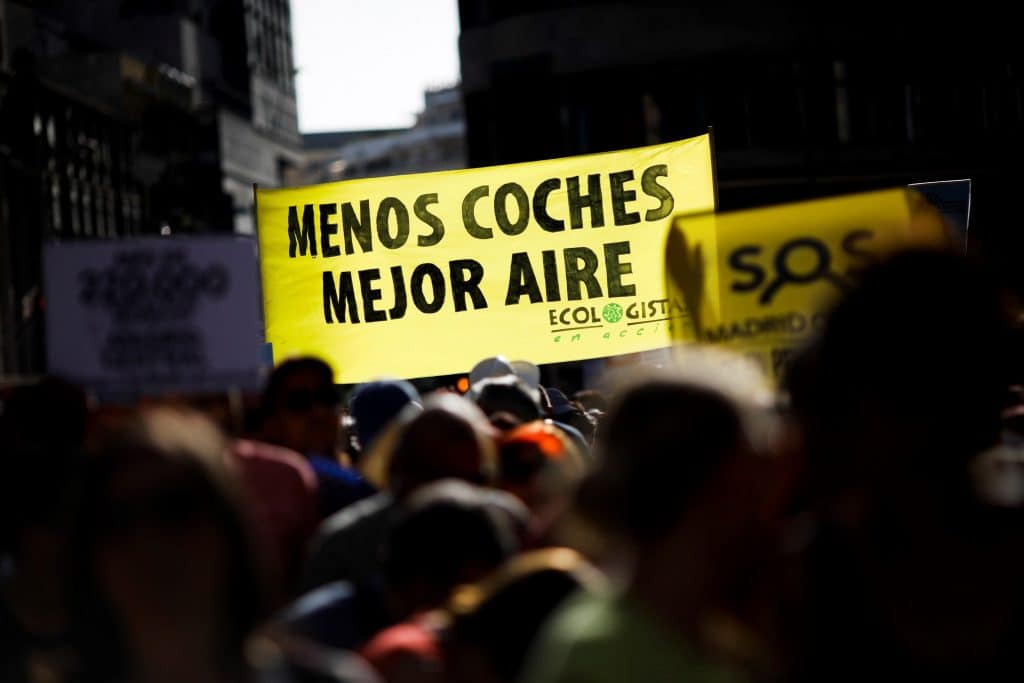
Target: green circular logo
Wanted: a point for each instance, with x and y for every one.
(612, 313)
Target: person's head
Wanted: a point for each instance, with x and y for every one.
(908, 379)
(672, 453)
(375, 404)
(448, 438)
(568, 412)
(591, 399)
(42, 433)
(162, 560)
(507, 394)
(504, 422)
(495, 366)
(448, 533)
(539, 465)
(300, 407)
(495, 621)
(529, 373)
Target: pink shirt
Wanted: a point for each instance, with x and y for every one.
(282, 495)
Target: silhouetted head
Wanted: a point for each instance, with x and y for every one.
(42, 432)
(300, 407)
(909, 377)
(448, 438)
(449, 533)
(665, 439)
(495, 621)
(507, 394)
(375, 404)
(539, 465)
(591, 399)
(162, 554)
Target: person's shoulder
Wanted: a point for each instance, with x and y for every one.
(405, 651)
(576, 644)
(345, 544)
(355, 515)
(291, 660)
(408, 638)
(599, 636)
(273, 459)
(332, 469)
(586, 616)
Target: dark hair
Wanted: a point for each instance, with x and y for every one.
(273, 392)
(440, 442)
(528, 449)
(445, 529)
(504, 422)
(501, 616)
(663, 441)
(590, 399)
(42, 430)
(373, 406)
(933, 391)
(147, 473)
(581, 421)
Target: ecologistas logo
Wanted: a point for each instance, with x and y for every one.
(615, 320)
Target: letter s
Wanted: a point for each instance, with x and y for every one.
(850, 248)
(437, 227)
(754, 270)
(650, 186)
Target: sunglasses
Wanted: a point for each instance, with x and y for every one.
(304, 400)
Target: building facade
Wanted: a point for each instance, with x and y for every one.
(804, 99)
(131, 117)
(436, 142)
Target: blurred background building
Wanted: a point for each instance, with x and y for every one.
(320, 153)
(805, 99)
(436, 142)
(129, 117)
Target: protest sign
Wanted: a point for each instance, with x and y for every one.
(760, 281)
(953, 200)
(425, 274)
(154, 315)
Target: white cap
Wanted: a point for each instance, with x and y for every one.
(528, 372)
(495, 366)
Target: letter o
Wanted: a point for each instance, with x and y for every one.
(433, 273)
(823, 260)
(501, 209)
(387, 206)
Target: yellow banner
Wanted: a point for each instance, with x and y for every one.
(422, 275)
(761, 281)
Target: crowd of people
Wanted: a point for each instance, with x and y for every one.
(862, 521)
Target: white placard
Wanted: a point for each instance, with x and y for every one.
(154, 315)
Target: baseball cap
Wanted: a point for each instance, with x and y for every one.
(495, 366)
(376, 404)
(529, 373)
(560, 404)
